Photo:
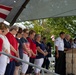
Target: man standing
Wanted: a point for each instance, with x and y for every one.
(59, 56)
(67, 46)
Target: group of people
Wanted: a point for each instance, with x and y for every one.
(30, 47)
(23, 44)
(62, 43)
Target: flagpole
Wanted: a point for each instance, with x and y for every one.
(19, 12)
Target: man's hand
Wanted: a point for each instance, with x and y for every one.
(57, 55)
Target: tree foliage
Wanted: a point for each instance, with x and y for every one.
(53, 26)
(66, 24)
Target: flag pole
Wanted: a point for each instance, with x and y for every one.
(19, 12)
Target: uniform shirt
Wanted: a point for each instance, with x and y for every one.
(13, 42)
(40, 55)
(60, 44)
(74, 45)
(27, 44)
(32, 46)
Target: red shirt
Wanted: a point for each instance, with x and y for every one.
(1, 44)
(32, 46)
(13, 42)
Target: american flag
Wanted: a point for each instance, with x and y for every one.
(4, 11)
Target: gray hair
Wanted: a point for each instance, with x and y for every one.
(67, 35)
(13, 28)
(36, 36)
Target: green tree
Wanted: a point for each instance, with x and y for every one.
(66, 24)
(53, 26)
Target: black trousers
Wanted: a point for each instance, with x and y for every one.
(60, 63)
(46, 63)
(30, 68)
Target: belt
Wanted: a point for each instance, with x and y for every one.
(60, 51)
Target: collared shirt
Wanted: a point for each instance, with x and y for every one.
(60, 44)
(13, 42)
(74, 45)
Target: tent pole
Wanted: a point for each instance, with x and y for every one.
(19, 12)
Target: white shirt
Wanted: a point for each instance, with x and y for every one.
(6, 45)
(60, 44)
(74, 45)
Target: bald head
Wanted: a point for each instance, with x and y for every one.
(67, 36)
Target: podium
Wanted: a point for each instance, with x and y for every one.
(71, 62)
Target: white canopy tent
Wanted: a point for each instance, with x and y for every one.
(37, 9)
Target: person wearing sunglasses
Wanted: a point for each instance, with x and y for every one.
(4, 47)
(26, 51)
(1, 46)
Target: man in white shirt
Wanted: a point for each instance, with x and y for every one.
(59, 47)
